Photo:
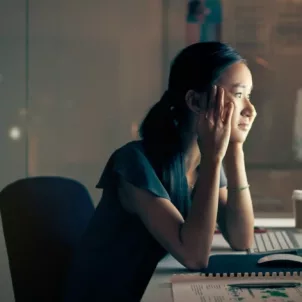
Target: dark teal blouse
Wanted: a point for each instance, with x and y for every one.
(117, 255)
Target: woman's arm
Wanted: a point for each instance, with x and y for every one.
(235, 213)
(188, 241)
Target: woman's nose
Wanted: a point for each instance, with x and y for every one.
(249, 109)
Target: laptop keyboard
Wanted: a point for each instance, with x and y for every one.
(272, 241)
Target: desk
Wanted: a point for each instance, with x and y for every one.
(159, 288)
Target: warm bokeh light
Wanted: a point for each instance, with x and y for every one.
(14, 133)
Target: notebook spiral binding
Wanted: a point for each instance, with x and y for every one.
(267, 275)
(260, 274)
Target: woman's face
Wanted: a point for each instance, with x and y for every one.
(237, 83)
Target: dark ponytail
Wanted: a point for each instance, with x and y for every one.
(162, 141)
(197, 67)
(160, 126)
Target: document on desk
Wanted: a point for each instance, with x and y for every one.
(274, 288)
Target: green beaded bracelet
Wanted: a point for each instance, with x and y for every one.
(238, 189)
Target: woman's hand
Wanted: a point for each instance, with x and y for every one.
(234, 149)
(214, 127)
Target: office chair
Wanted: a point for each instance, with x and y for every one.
(43, 219)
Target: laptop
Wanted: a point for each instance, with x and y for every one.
(280, 235)
(277, 240)
(277, 235)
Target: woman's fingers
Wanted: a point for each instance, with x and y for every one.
(218, 111)
(229, 113)
(219, 104)
(212, 105)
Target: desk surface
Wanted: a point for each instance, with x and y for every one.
(159, 288)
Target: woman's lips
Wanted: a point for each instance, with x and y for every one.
(244, 126)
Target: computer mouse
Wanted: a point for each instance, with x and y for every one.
(281, 260)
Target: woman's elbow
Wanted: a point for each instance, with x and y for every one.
(196, 265)
(241, 246)
(241, 243)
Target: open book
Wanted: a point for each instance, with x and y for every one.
(268, 287)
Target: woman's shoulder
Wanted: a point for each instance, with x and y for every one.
(136, 146)
(131, 154)
(123, 160)
(131, 163)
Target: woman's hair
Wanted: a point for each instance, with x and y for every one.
(197, 68)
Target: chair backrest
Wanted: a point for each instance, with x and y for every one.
(43, 219)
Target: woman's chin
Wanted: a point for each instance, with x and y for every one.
(238, 137)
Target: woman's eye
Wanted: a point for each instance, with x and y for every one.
(238, 95)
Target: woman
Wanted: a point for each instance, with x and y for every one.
(165, 193)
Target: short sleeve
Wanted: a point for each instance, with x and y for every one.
(223, 180)
(131, 163)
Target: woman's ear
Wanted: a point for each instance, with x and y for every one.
(194, 101)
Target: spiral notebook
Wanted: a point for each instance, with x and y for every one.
(231, 278)
(222, 288)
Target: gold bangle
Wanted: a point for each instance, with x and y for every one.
(238, 189)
